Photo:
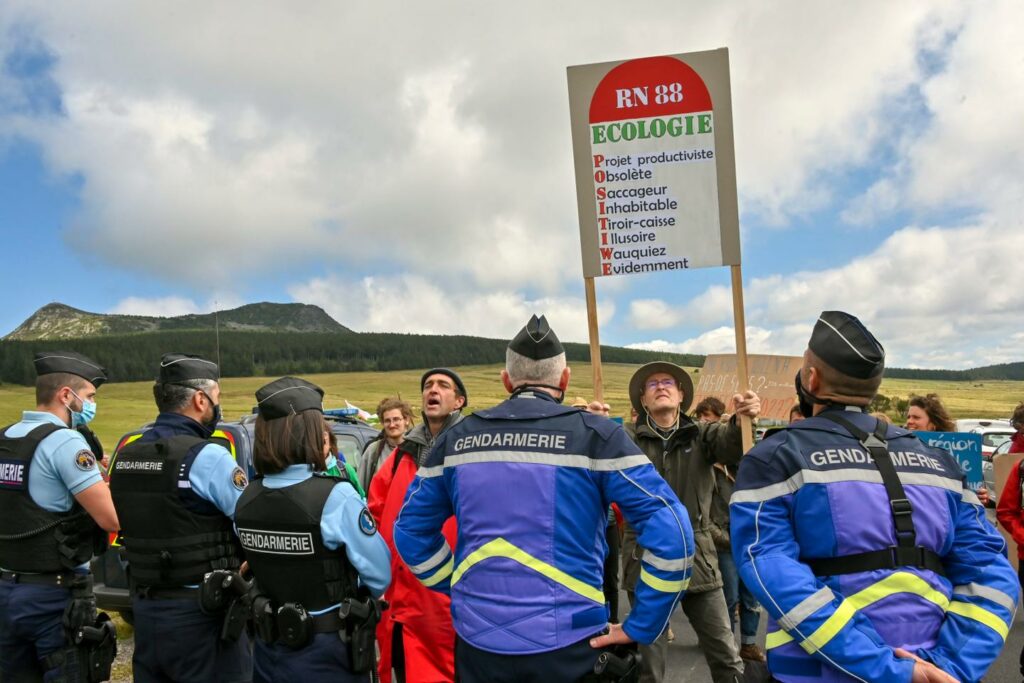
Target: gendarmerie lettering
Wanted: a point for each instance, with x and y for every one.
(839, 456)
(139, 466)
(280, 542)
(511, 440)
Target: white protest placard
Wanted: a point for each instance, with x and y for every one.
(655, 164)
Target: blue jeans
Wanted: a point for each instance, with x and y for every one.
(736, 592)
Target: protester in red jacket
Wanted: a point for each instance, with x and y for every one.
(416, 635)
(1011, 514)
(1017, 420)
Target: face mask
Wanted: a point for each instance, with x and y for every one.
(806, 398)
(85, 416)
(211, 424)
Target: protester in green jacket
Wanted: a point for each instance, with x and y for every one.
(683, 452)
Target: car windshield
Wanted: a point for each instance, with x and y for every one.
(349, 447)
(995, 439)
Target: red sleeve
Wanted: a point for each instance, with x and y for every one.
(380, 485)
(1008, 512)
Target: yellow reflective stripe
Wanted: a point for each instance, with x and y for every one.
(777, 638)
(833, 625)
(442, 573)
(499, 547)
(661, 584)
(971, 611)
(897, 582)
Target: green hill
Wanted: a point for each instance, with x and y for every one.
(133, 357)
(56, 321)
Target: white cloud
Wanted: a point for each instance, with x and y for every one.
(410, 303)
(653, 314)
(933, 297)
(170, 306)
(357, 133)
(790, 341)
(166, 306)
(259, 140)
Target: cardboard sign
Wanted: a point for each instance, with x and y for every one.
(655, 164)
(966, 448)
(771, 378)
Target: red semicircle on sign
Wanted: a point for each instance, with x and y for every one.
(638, 80)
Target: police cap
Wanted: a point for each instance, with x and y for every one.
(181, 367)
(49, 362)
(843, 342)
(288, 396)
(536, 340)
(451, 374)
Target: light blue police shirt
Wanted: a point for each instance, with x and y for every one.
(215, 477)
(346, 522)
(57, 473)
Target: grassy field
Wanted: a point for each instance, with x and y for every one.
(125, 406)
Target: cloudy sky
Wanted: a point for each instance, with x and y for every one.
(408, 166)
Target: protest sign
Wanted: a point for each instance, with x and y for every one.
(965, 447)
(655, 171)
(772, 377)
(655, 167)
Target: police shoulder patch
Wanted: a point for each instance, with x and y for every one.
(239, 479)
(85, 460)
(366, 523)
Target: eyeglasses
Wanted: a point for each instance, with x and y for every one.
(656, 384)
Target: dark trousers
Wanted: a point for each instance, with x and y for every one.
(325, 659)
(611, 571)
(566, 665)
(32, 627)
(1020, 577)
(175, 641)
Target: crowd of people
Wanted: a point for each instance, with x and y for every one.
(491, 545)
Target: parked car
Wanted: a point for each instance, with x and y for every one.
(110, 580)
(968, 424)
(992, 438)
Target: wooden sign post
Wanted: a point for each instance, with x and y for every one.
(655, 170)
(595, 340)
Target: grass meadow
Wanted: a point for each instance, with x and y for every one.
(124, 406)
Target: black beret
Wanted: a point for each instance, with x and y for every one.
(448, 372)
(844, 343)
(287, 396)
(181, 367)
(536, 340)
(49, 362)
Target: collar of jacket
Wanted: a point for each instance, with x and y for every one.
(686, 432)
(171, 424)
(420, 434)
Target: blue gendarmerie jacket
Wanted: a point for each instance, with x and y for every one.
(529, 482)
(812, 491)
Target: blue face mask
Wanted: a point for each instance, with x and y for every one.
(86, 415)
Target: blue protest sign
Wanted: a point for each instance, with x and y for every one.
(966, 448)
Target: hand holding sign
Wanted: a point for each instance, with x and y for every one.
(747, 404)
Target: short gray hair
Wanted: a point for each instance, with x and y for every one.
(522, 370)
(173, 398)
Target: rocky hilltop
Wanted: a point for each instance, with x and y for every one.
(57, 321)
